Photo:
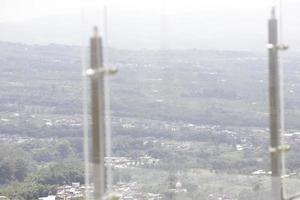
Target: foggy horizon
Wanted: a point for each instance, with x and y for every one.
(180, 25)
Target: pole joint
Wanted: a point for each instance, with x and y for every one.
(97, 72)
(281, 148)
(288, 175)
(281, 47)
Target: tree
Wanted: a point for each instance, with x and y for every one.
(64, 149)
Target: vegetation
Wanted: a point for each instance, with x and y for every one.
(24, 176)
(41, 119)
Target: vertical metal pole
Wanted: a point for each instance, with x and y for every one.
(98, 118)
(276, 123)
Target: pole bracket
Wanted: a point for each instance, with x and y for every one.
(281, 148)
(96, 72)
(281, 47)
(288, 175)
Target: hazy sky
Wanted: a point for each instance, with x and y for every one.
(26, 9)
(210, 24)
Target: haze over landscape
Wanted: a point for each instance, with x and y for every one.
(189, 110)
(230, 25)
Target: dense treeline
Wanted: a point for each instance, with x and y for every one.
(35, 169)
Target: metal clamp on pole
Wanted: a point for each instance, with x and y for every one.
(288, 175)
(105, 71)
(281, 148)
(281, 47)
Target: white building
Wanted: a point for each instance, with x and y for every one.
(50, 197)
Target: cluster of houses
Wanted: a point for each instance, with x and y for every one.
(14, 138)
(123, 191)
(217, 196)
(63, 122)
(125, 162)
(132, 191)
(68, 192)
(12, 118)
(261, 172)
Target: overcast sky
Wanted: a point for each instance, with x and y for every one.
(224, 24)
(26, 9)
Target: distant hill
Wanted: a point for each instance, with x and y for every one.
(137, 31)
(198, 86)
